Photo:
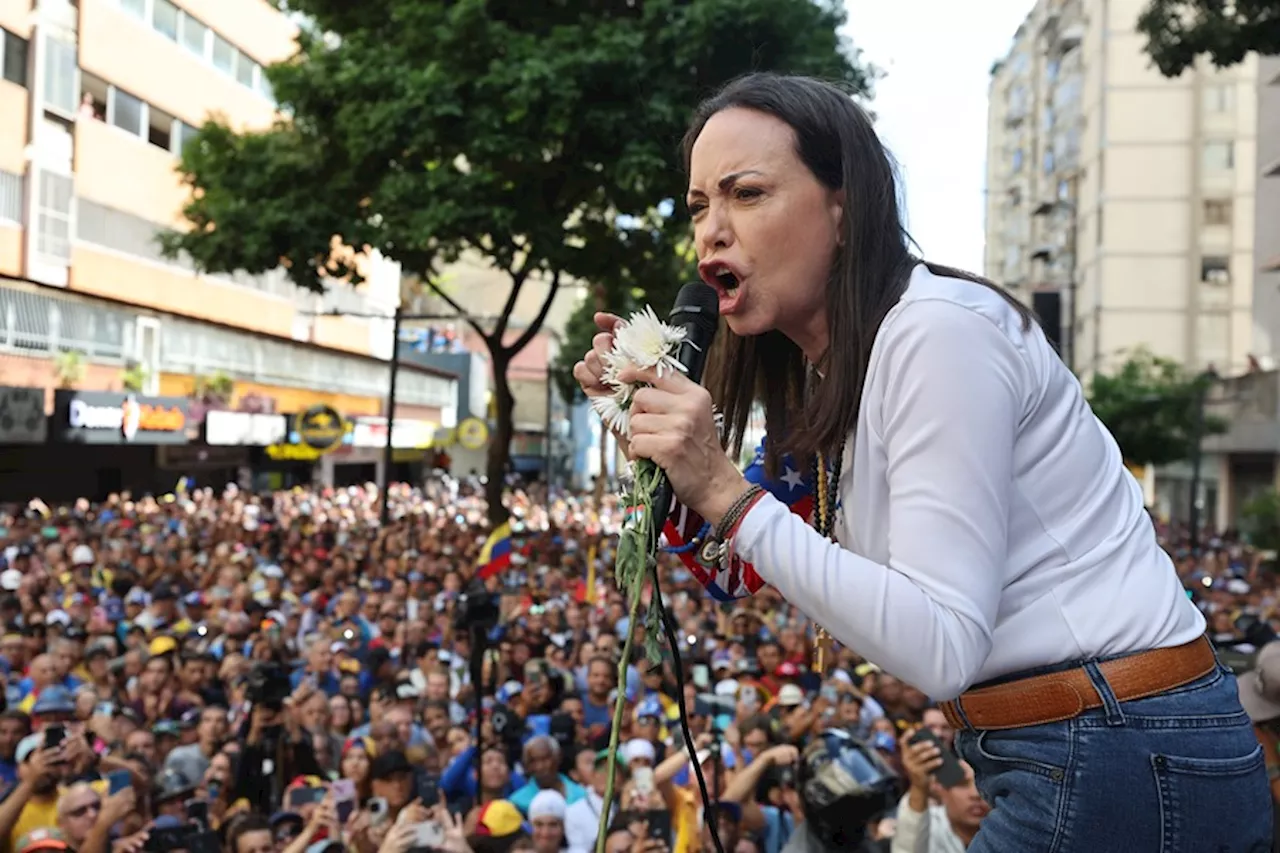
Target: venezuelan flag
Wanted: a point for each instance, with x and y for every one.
(496, 553)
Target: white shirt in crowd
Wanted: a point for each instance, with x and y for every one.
(582, 822)
(990, 523)
(924, 832)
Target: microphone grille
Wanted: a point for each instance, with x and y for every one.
(697, 304)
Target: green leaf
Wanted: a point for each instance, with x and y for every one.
(1180, 31)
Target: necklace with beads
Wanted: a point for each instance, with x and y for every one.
(827, 488)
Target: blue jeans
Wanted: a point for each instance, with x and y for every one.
(1181, 772)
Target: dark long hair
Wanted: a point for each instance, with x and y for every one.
(836, 141)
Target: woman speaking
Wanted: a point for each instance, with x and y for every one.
(976, 532)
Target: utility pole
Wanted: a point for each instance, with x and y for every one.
(1204, 380)
(388, 451)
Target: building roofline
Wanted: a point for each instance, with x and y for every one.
(311, 345)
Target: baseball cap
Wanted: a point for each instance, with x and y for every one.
(54, 699)
(1260, 687)
(499, 818)
(790, 696)
(44, 838)
(28, 745)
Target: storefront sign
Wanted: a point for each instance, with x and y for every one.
(293, 453)
(473, 433)
(320, 427)
(22, 419)
(372, 432)
(105, 417)
(243, 429)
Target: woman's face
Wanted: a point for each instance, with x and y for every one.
(355, 765)
(759, 211)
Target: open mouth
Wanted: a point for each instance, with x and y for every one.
(727, 279)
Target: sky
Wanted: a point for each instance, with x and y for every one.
(932, 108)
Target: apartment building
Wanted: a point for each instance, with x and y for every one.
(1121, 203)
(97, 98)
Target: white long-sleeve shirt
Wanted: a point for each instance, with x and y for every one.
(582, 822)
(988, 524)
(928, 831)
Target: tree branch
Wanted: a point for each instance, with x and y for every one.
(453, 303)
(527, 335)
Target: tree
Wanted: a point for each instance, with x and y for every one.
(1260, 520)
(1178, 31)
(532, 133)
(1152, 406)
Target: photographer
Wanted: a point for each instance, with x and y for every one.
(276, 749)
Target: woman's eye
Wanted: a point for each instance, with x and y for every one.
(746, 193)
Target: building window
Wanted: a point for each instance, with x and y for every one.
(1048, 161)
(62, 87)
(164, 17)
(1217, 211)
(264, 86)
(195, 36)
(224, 54)
(125, 111)
(160, 128)
(53, 234)
(1219, 98)
(1215, 269)
(182, 135)
(1219, 156)
(13, 58)
(245, 68)
(135, 7)
(1017, 160)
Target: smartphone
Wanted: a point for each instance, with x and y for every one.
(198, 813)
(344, 798)
(429, 835)
(54, 736)
(117, 781)
(830, 694)
(305, 796)
(659, 821)
(701, 676)
(643, 779)
(427, 787)
(950, 773)
(106, 709)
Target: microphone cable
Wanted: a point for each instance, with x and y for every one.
(710, 812)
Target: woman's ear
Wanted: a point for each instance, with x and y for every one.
(836, 210)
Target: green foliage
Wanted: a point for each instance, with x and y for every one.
(1178, 31)
(216, 386)
(68, 367)
(134, 378)
(526, 132)
(1260, 520)
(1151, 406)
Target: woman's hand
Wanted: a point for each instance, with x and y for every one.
(672, 423)
(590, 371)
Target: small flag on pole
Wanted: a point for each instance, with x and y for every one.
(496, 553)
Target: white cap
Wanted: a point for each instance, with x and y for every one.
(548, 803)
(10, 579)
(790, 695)
(637, 749)
(82, 555)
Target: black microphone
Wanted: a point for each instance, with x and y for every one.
(697, 311)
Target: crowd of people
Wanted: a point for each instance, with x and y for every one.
(279, 673)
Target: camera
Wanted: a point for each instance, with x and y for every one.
(267, 685)
(477, 608)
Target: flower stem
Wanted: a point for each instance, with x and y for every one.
(644, 491)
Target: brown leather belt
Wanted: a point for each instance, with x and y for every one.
(1064, 695)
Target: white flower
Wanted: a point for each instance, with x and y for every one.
(648, 343)
(615, 417)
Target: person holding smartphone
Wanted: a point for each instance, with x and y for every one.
(948, 826)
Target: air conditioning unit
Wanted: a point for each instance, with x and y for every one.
(1219, 277)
